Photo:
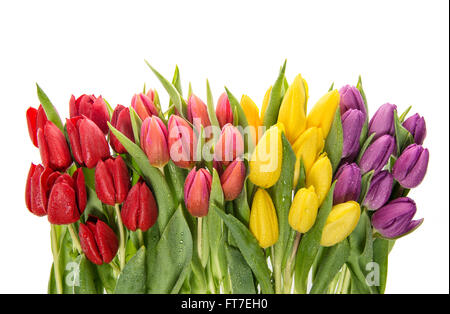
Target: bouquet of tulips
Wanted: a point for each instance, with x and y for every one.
(194, 198)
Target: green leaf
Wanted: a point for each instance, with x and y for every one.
(364, 147)
(363, 94)
(402, 136)
(380, 256)
(87, 281)
(215, 224)
(197, 277)
(51, 289)
(106, 275)
(210, 106)
(50, 110)
(365, 185)
(334, 141)
(176, 80)
(68, 266)
(241, 276)
(242, 209)
(273, 107)
(132, 280)
(331, 87)
(136, 124)
(175, 177)
(402, 117)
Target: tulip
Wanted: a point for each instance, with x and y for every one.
(121, 121)
(92, 108)
(352, 125)
(98, 241)
(154, 141)
(263, 219)
(307, 148)
(223, 110)
(303, 212)
(417, 127)
(265, 102)
(232, 180)
(252, 114)
(351, 99)
(410, 168)
(197, 113)
(36, 119)
(320, 176)
(53, 147)
(218, 166)
(382, 121)
(87, 141)
(377, 154)
(322, 114)
(139, 211)
(348, 183)
(144, 106)
(265, 163)
(181, 142)
(229, 146)
(395, 218)
(340, 223)
(37, 190)
(293, 109)
(197, 188)
(379, 191)
(112, 181)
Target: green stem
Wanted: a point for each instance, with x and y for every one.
(75, 239)
(122, 237)
(115, 268)
(54, 242)
(346, 281)
(287, 286)
(276, 271)
(140, 237)
(199, 237)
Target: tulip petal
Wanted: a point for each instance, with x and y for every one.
(88, 245)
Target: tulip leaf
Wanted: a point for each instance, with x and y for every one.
(364, 147)
(402, 135)
(331, 87)
(334, 141)
(380, 256)
(87, 280)
(241, 204)
(175, 177)
(189, 91)
(106, 275)
(197, 278)
(210, 106)
(136, 124)
(67, 264)
(310, 244)
(402, 117)
(51, 289)
(249, 247)
(365, 185)
(50, 110)
(176, 81)
(359, 86)
(132, 280)
(215, 225)
(275, 98)
(241, 276)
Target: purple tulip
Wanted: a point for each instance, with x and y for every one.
(382, 121)
(379, 191)
(377, 154)
(352, 124)
(348, 184)
(417, 127)
(395, 218)
(410, 168)
(351, 99)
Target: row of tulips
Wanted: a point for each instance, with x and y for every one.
(199, 198)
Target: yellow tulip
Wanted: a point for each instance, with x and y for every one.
(263, 219)
(341, 221)
(320, 176)
(322, 114)
(266, 160)
(252, 113)
(303, 212)
(293, 109)
(307, 147)
(265, 102)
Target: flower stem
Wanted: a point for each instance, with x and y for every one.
(75, 240)
(276, 271)
(122, 237)
(346, 281)
(199, 237)
(288, 269)
(54, 242)
(140, 237)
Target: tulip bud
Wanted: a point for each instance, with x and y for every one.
(229, 146)
(87, 141)
(218, 166)
(144, 106)
(232, 180)
(307, 148)
(263, 219)
(36, 119)
(320, 177)
(265, 102)
(223, 110)
(303, 212)
(382, 121)
(322, 114)
(417, 127)
(395, 218)
(379, 191)
(377, 154)
(293, 109)
(121, 121)
(348, 184)
(181, 142)
(352, 124)
(53, 147)
(154, 141)
(139, 211)
(341, 222)
(252, 114)
(265, 163)
(197, 188)
(197, 113)
(112, 181)
(98, 242)
(92, 108)
(411, 167)
(351, 99)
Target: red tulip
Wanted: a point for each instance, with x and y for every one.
(139, 211)
(112, 181)
(232, 180)
(98, 242)
(223, 110)
(144, 106)
(53, 147)
(154, 141)
(87, 141)
(92, 108)
(36, 119)
(121, 121)
(181, 142)
(229, 146)
(197, 188)
(197, 113)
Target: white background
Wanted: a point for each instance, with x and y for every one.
(400, 48)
